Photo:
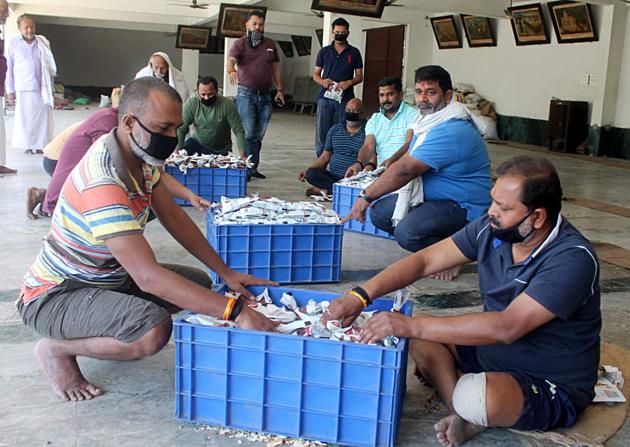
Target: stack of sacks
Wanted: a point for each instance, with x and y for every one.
(481, 107)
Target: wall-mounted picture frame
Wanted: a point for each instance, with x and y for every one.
(193, 37)
(286, 47)
(215, 46)
(302, 45)
(528, 24)
(478, 31)
(572, 21)
(445, 31)
(320, 36)
(366, 8)
(232, 18)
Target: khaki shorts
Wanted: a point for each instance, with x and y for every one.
(76, 310)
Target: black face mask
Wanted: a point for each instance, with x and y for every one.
(208, 101)
(160, 146)
(254, 38)
(341, 37)
(352, 116)
(511, 235)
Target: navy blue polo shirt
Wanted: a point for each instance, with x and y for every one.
(344, 148)
(562, 274)
(339, 66)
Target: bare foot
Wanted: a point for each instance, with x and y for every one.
(453, 430)
(28, 151)
(34, 196)
(7, 170)
(447, 275)
(63, 373)
(313, 191)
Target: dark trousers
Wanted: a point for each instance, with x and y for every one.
(329, 112)
(49, 165)
(424, 225)
(192, 145)
(322, 178)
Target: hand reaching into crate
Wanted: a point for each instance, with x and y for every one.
(238, 282)
(253, 320)
(345, 309)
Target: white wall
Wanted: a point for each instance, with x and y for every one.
(622, 115)
(521, 80)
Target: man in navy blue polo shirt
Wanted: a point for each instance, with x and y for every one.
(339, 67)
(529, 361)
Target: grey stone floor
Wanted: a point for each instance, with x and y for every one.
(137, 408)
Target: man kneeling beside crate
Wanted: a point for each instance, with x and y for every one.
(96, 289)
(530, 360)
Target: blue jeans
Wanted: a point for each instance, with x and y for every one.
(255, 111)
(424, 225)
(327, 110)
(49, 165)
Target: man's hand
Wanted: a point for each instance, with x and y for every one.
(199, 202)
(252, 320)
(11, 98)
(345, 308)
(343, 85)
(386, 164)
(357, 212)
(353, 169)
(369, 167)
(302, 176)
(280, 98)
(239, 281)
(384, 324)
(233, 77)
(327, 83)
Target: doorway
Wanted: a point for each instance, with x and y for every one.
(384, 49)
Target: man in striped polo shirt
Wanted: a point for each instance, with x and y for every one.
(96, 288)
(340, 150)
(387, 133)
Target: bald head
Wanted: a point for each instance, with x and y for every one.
(159, 66)
(4, 11)
(354, 105)
(354, 112)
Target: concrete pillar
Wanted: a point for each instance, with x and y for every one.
(228, 89)
(190, 67)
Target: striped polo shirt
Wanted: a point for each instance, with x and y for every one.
(390, 134)
(344, 147)
(98, 201)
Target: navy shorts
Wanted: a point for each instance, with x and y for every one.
(545, 405)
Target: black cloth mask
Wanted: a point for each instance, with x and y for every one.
(352, 116)
(255, 38)
(160, 146)
(511, 235)
(341, 37)
(208, 101)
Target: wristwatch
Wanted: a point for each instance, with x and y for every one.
(363, 195)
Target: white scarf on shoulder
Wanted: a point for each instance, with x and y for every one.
(49, 71)
(412, 193)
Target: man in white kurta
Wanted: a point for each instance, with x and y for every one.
(29, 84)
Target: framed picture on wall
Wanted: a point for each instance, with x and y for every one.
(445, 32)
(367, 8)
(302, 45)
(287, 48)
(478, 31)
(232, 18)
(572, 21)
(215, 46)
(193, 37)
(528, 24)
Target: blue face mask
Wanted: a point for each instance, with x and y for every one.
(511, 235)
(160, 146)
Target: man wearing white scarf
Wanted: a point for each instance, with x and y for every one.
(443, 182)
(160, 66)
(31, 71)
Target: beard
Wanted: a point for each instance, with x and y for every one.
(426, 108)
(142, 155)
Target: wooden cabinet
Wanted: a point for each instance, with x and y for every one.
(568, 125)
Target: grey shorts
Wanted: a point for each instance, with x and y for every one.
(76, 310)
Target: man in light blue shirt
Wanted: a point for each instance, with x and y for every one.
(386, 133)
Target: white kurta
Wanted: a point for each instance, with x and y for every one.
(33, 125)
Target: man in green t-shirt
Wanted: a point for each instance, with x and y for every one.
(213, 117)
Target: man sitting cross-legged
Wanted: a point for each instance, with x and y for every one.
(96, 288)
(529, 361)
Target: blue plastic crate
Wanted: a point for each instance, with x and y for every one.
(211, 183)
(330, 391)
(286, 253)
(343, 201)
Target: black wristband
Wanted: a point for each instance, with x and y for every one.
(361, 163)
(361, 291)
(369, 163)
(236, 310)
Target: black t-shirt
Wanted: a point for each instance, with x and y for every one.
(563, 276)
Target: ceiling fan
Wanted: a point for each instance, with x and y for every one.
(195, 4)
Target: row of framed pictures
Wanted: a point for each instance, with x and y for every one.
(302, 46)
(572, 22)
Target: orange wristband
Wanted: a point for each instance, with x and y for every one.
(353, 293)
(228, 308)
